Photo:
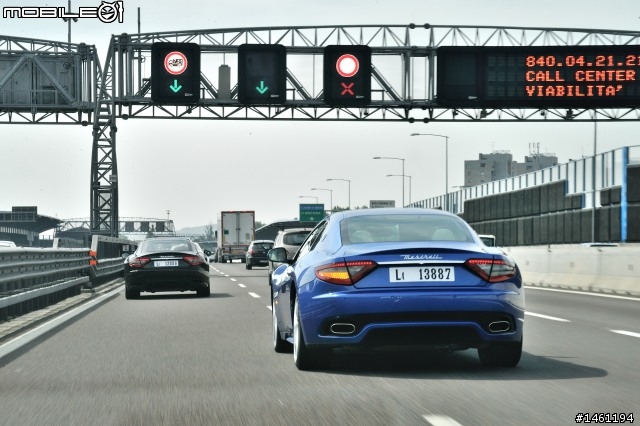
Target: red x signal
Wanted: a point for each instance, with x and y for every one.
(347, 89)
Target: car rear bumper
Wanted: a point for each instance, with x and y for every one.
(167, 280)
(258, 260)
(375, 318)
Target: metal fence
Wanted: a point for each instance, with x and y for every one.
(587, 175)
(33, 278)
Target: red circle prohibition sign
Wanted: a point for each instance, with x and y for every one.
(175, 63)
(347, 65)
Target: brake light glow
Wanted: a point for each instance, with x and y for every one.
(139, 262)
(193, 260)
(345, 273)
(492, 270)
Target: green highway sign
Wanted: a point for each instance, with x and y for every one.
(311, 212)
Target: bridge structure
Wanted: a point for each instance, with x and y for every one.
(417, 74)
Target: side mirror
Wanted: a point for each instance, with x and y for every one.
(207, 252)
(278, 254)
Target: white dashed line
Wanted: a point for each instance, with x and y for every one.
(233, 279)
(547, 317)
(584, 293)
(436, 420)
(242, 285)
(269, 307)
(254, 295)
(627, 333)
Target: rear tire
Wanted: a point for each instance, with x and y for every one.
(505, 354)
(304, 357)
(248, 264)
(204, 292)
(131, 294)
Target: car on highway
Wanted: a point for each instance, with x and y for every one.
(256, 254)
(166, 264)
(290, 240)
(7, 244)
(392, 277)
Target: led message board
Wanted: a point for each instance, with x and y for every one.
(347, 75)
(262, 73)
(539, 77)
(175, 73)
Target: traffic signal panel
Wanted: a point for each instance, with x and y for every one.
(262, 74)
(347, 75)
(175, 73)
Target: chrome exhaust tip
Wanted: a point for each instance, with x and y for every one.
(499, 326)
(342, 328)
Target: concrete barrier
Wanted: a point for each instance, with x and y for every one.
(600, 268)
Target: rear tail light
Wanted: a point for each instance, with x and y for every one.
(139, 262)
(345, 273)
(492, 270)
(193, 260)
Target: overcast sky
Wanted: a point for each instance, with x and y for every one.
(267, 166)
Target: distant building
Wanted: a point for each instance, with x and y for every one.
(500, 165)
(22, 225)
(535, 162)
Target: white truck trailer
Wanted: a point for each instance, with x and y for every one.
(236, 229)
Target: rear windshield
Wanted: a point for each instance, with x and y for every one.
(167, 245)
(263, 246)
(402, 228)
(295, 238)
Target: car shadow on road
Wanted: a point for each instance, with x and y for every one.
(439, 364)
(167, 296)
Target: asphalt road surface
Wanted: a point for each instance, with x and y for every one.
(176, 359)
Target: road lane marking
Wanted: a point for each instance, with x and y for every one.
(254, 295)
(233, 279)
(586, 293)
(627, 333)
(437, 420)
(546, 317)
(242, 285)
(269, 307)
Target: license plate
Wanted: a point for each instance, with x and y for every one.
(422, 274)
(163, 263)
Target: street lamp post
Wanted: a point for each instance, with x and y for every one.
(446, 163)
(405, 176)
(330, 196)
(309, 196)
(348, 189)
(395, 158)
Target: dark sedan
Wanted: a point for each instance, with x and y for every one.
(257, 253)
(389, 277)
(166, 264)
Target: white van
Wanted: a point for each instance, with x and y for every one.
(488, 240)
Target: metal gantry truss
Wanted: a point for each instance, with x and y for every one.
(126, 225)
(403, 83)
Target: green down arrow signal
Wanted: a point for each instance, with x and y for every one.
(175, 86)
(262, 88)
